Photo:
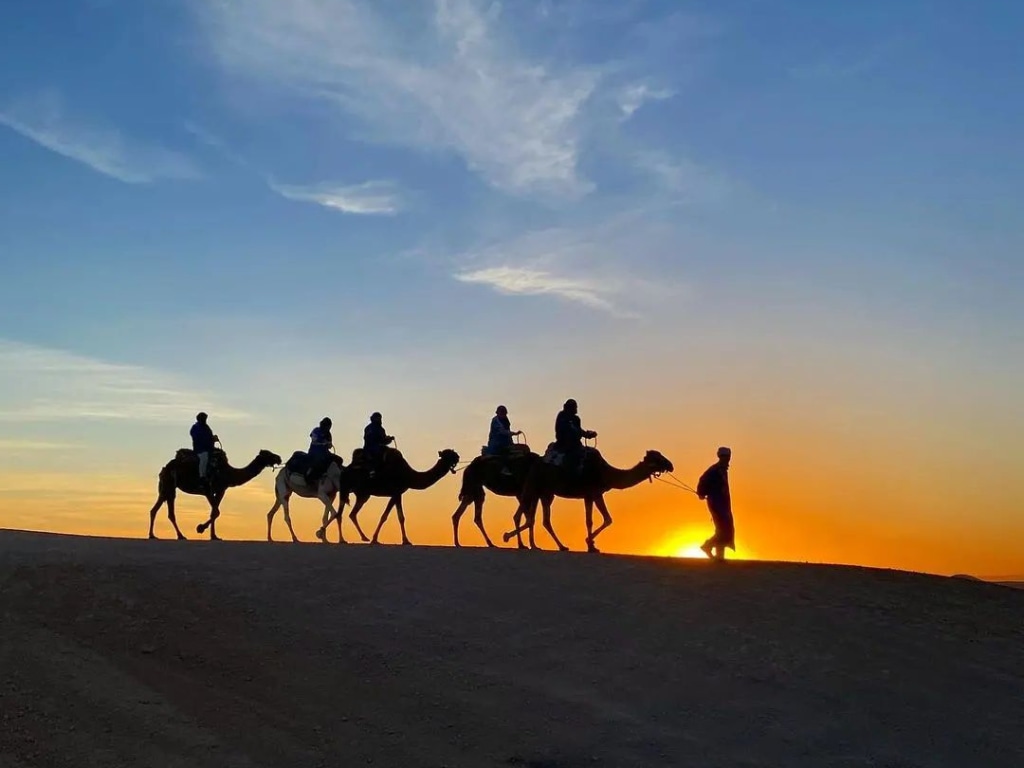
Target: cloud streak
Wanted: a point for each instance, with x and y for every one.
(44, 120)
(580, 265)
(524, 281)
(633, 97)
(39, 384)
(452, 81)
(369, 198)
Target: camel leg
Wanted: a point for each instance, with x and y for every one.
(478, 518)
(521, 521)
(383, 519)
(288, 519)
(338, 518)
(401, 522)
(588, 506)
(457, 516)
(214, 501)
(214, 514)
(360, 501)
(606, 520)
(546, 504)
(330, 514)
(152, 514)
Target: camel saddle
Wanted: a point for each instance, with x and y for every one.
(516, 451)
(298, 463)
(188, 456)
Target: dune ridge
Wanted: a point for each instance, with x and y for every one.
(128, 652)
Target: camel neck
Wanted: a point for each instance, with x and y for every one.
(419, 481)
(620, 479)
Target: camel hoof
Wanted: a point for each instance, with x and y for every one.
(182, 537)
(563, 549)
(321, 535)
(491, 544)
(154, 537)
(592, 548)
(201, 528)
(406, 543)
(507, 537)
(215, 537)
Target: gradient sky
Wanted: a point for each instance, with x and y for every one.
(791, 228)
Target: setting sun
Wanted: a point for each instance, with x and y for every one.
(692, 550)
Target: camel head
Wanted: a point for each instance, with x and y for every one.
(657, 463)
(267, 458)
(448, 459)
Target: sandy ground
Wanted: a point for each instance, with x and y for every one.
(249, 654)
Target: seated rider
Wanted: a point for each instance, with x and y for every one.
(203, 441)
(499, 440)
(375, 441)
(569, 434)
(320, 446)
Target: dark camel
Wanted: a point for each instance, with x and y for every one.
(485, 472)
(391, 480)
(334, 482)
(546, 481)
(182, 474)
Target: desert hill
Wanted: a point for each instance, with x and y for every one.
(123, 652)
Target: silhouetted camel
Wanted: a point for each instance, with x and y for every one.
(545, 481)
(485, 472)
(391, 480)
(333, 482)
(182, 474)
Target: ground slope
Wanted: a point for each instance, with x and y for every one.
(246, 654)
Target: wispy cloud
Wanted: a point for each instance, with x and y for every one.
(28, 446)
(39, 384)
(453, 81)
(600, 267)
(524, 281)
(634, 96)
(371, 197)
(44, 120)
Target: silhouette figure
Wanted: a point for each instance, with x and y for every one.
(182, 473)
(392, 478)
(375, 442)
(714, 486)
(203, 443)
(320, 446)
(333, 481)
(500, 437)
(569, 434)
(503, 474)
(547, 480)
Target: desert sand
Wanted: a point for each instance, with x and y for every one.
(129, 652)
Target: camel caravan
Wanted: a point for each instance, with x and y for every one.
(568, 469)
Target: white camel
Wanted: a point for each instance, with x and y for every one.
(332, 483)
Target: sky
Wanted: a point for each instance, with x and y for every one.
(789, 228)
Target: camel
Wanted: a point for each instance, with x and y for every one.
(546, 481)
(391, 480)
(485, 472)
(334, 482)
(182, 474)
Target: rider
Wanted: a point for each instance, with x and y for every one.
(714, 486)
(320, 446)
(203, 441)
(569, 435)
(499, 440)
(375, 441)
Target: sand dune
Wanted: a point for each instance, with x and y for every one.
(250, 654)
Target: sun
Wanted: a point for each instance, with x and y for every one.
(691, 550)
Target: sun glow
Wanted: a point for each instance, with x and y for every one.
(692, 550)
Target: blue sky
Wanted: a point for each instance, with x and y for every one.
(271, 206)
